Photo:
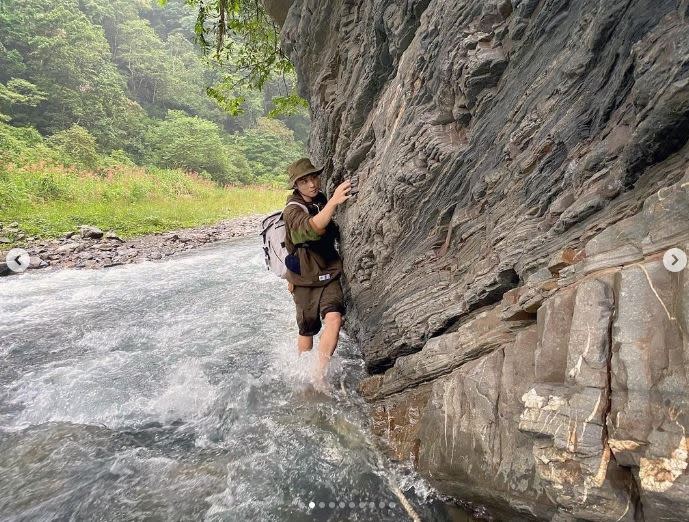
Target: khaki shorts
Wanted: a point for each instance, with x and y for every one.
(313, 302)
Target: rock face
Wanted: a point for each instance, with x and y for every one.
(522, 166)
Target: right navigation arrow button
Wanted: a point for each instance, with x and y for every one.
(675, 260)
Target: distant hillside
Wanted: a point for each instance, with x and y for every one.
(129, 75)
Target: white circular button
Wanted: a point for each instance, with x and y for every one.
(675, 260)
(17, 259)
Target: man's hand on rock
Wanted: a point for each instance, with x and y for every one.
(341, 193)
(321, 220)
(290, 287)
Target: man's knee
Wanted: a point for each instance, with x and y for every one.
(333, 319)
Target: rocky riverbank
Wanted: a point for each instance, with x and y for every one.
(90, 247)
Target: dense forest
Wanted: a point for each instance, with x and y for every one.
(98, 83)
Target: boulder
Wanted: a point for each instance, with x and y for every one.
(110, 234)
(88, 231)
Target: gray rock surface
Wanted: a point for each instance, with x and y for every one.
(522, 166)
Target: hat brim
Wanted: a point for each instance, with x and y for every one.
(318, 172)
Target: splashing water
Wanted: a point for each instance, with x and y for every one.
(173, 390)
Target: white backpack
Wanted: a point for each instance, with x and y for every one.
(274, 241)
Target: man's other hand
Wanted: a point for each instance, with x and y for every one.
(290, 287)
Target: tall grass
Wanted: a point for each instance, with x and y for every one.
(49, 200)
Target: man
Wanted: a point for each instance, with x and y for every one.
(314, 265)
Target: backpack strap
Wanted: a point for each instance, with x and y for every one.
(298, 204)
(300, 245)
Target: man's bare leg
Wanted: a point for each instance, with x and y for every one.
(304, 343)
(327, 345)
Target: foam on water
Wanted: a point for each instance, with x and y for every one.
(174, 389)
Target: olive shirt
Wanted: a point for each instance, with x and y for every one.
(318, 259)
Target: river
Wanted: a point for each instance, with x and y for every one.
(172, 390)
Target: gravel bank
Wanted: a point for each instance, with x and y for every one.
(90, 247)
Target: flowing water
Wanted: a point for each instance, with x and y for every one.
(172, 391)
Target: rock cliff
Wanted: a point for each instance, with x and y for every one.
(523, 167)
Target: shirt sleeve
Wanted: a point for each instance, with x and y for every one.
(297, 221)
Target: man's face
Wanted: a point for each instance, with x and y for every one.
(309, 185)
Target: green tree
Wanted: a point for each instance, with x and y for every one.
(190, 143)
(144, 59)
(247, 43)
(269, 148)
(22, 145)
(112, 80)
(176, 17)
(66, 56)
(77, 145)
(17, 94)
(157, 56)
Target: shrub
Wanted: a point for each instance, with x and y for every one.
(189, 143)
(268, 148)
(77, 147)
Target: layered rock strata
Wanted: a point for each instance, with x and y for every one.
(523, 167)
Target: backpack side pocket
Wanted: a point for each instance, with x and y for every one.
(292, 263)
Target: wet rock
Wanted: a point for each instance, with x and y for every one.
(483, 71)
(647, 421)
(560, 260)
(37, 262)
(479, 336)
(554, 317)
(469, 435)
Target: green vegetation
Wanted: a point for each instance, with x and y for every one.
(51, 201)
(110, 115)
(258, 155)
(246, 42)
(48, 198)
(129, 75)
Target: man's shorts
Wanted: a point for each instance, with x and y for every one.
(313, 302)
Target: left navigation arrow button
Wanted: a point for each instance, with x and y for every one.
(18, 259)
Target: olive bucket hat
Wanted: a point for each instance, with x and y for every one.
(300, 168)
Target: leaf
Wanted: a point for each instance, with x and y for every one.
(289, 105)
